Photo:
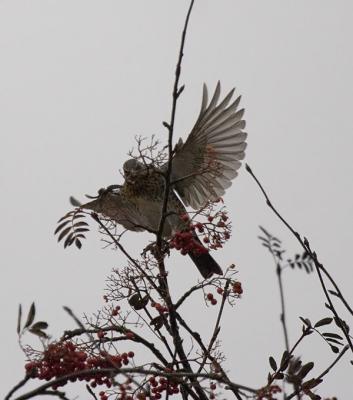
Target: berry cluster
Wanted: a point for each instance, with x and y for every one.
(267, 393)
(63, 358)
(160, 308)
(185, 242)
(116, 311)
(211, 299)
(123, 390)
(213, 387)
(236, 288)
(215, 238)
(214, 233)
(160, 385)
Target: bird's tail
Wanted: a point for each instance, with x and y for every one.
(205, 263)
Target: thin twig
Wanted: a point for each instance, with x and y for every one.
(120, 329)
(283, 311)
(77, 320)
(327, 370)
(18, 386)
(305, 244)
(125, 371)
(217, 326)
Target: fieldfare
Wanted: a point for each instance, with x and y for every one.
(202, 169)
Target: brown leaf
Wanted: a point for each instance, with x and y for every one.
(81, 230)
(332, 335)
(285, 360)
(39, 333)
(323, 321)
(74, 202)
(273, 363)
(19, 318)
(30, 316)
(335, 349)
(39, 325)
(305, 369)
(61, 226)
(66, 216)
(138, 302)
(157, 322)
(81, 223)
(64, 233)
(311, 383)
(69, 240)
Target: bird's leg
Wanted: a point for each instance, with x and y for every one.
(152, 248)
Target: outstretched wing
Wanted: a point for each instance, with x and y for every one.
(116, 206)
(205, 164)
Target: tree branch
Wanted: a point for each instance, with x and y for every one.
(305, 244)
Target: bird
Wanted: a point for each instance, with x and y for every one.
(202, 169)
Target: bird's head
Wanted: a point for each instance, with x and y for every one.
(132, 167)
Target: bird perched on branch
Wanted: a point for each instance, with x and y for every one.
(202, 169)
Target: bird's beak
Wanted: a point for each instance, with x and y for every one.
(94, 205)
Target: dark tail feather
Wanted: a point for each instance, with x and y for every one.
(205, 263)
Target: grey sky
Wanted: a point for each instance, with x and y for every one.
(80, 78)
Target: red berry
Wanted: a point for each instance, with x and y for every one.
(101, 334)
(213, 302)
(185, 217)
(130, 335)
(131, 354)
(219, 290)
(209, 296)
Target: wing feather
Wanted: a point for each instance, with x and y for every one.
(117, 207)
(206, 163)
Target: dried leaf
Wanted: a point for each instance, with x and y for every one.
(19, 318)
(138, 302)
(306, 321)
(279, 375)
(30, 316)
(334, 341)
(335, 349)
(311, 383)
(323, 321)
(66, 216)
(305, 369)
(61, 226)
(69, 240)
(38, 332)
(157, 322)
(263, 239)
(273, 363)
(39, 325)
(285, 360)
(74, 202)
(332, 335)
(80, 235)
(265, 232)
(80, 223)
(64, 233)
(81, 230)
(78, 243)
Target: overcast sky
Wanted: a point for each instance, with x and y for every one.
(80, 78)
